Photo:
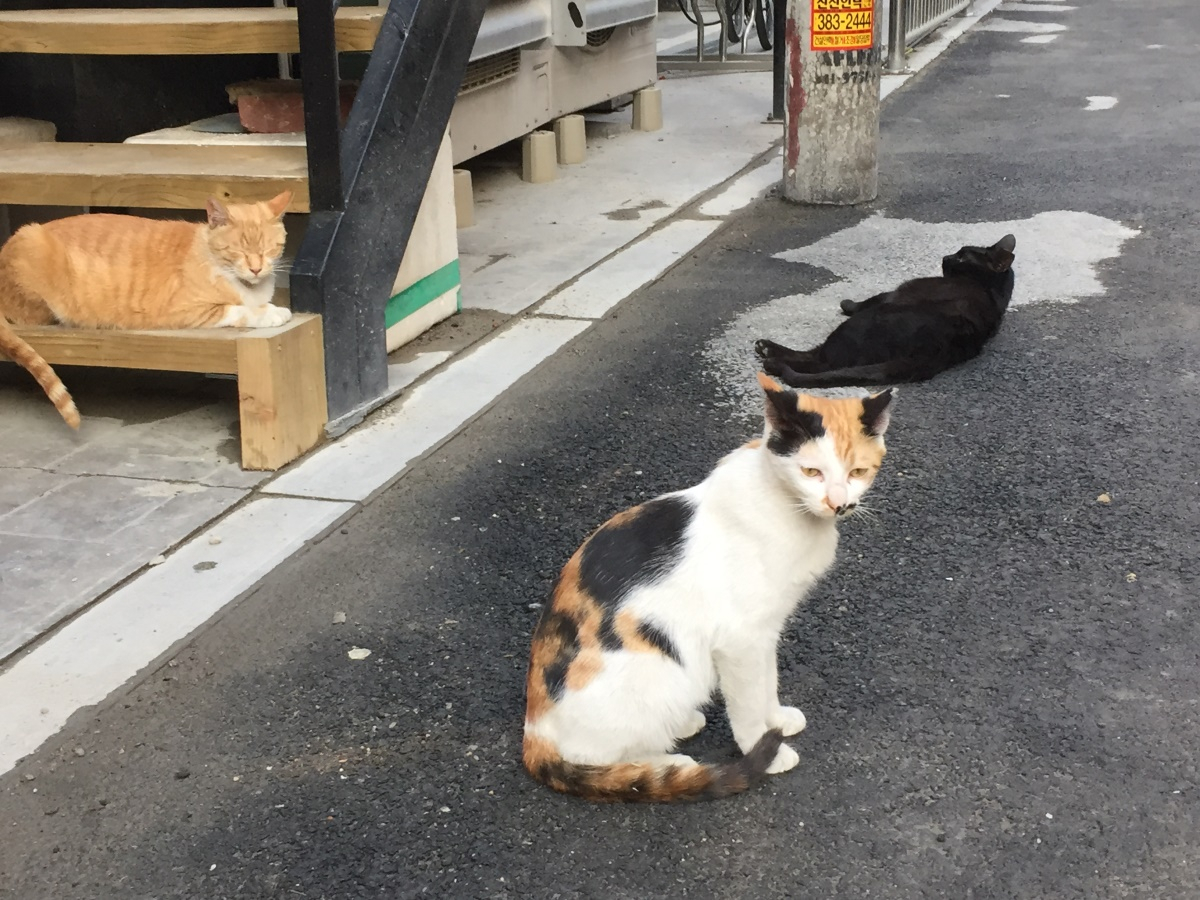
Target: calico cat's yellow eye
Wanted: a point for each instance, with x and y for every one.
(858, 473)
(811, 473)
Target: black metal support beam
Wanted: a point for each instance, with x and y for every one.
(779, 46)
(319, 78)
(347, 262)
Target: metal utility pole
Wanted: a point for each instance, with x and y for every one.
(831, 126)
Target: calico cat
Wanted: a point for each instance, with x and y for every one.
(110, 271)
(687, 593)
(923, 327)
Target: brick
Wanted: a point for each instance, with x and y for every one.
(276, 106)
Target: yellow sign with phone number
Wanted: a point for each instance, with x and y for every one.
(843, 24)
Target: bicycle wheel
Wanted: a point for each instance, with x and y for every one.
(685, 7)
(735, 10)
(764, 22)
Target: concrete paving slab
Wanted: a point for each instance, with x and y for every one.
(62, 549)
(199, 446)
(602, 288)
(530, 239)
(19, 486)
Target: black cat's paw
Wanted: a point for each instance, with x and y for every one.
(777, 368)
(765, 349)
(850, 307)
(774, 366)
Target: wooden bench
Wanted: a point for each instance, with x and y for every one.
(280, 373)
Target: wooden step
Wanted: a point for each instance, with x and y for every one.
(174, 32)
(150, 175)
(280, 373)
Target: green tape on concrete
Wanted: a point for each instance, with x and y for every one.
(416, 295)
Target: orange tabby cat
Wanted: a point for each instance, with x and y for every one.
(108, 271)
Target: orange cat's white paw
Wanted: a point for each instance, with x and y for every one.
(785, 759)
(271, 316)
(789, 720)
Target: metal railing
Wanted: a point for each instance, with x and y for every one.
(911, 20)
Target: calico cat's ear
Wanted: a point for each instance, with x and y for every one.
(786, 419)
(877, 412)
(779, 401)
(768, 383)
(218, 215)
(279, 203)
(1000, 256)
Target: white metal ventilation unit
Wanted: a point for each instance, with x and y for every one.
(536, 60)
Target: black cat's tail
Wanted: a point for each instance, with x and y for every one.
(647, 782)
(892, 372)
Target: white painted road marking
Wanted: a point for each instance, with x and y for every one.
(1100, 102)
(1015, 26)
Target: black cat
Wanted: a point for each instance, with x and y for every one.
(923, 327)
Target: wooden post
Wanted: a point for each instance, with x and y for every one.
(281, 394)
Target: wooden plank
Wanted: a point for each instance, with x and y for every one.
(150, 175)
(188, 350)
(174, 32)
(281, 394)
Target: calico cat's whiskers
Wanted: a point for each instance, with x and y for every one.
(862, 511)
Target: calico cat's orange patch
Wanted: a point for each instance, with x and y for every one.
(626, 625)
(842, 419)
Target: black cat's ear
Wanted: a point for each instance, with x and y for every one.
(1000, 256)
(877, 412)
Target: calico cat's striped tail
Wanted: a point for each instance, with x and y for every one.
(16, 349)
(648, 782)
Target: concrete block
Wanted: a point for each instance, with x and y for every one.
(16, 130)
(464, 198)
(570, 133)
(647, 110)
(539, 157)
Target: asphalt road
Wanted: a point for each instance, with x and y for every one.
(1000, 674)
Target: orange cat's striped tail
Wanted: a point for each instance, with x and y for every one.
(647, 782)
(12, 346)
